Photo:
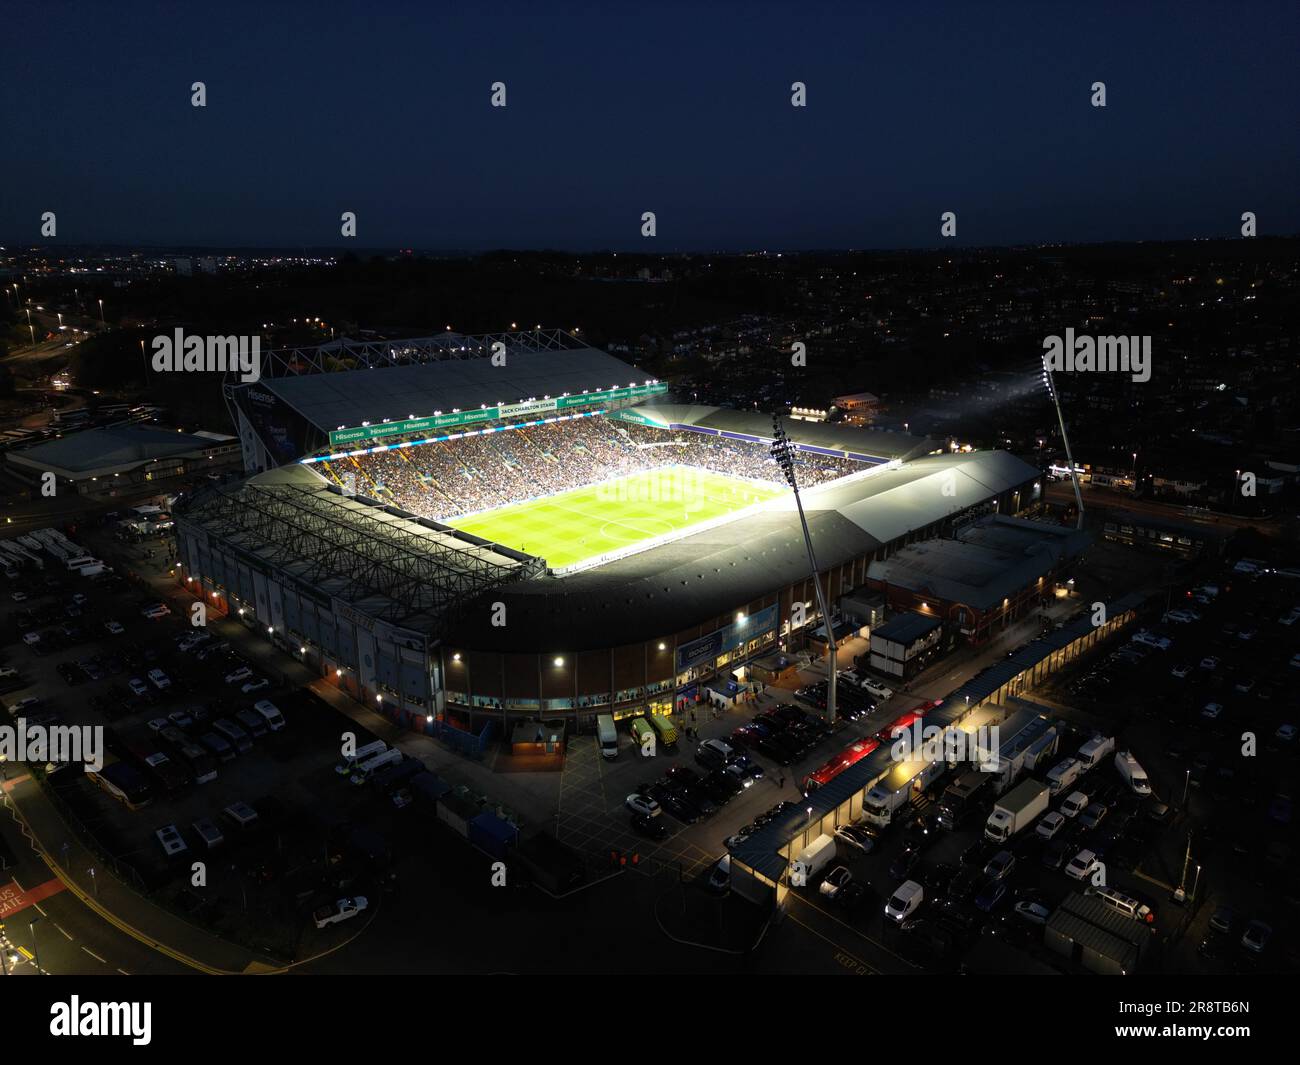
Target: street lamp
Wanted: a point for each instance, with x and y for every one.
(101, 312)
(36, 953)
(783, 453)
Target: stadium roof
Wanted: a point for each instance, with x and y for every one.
(115, 449)
(396, 392)
(874, 443)
(923, 492)
(677, 584)
(391, 566)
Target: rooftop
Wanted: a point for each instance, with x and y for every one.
(113, 449)
(984, 563)
(348, 398)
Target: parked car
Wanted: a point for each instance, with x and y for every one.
(859, 837)
(1093, 815)
(642, 804)
(991, 895)
(719, 881)
(836, 879)
(1000, 865)
(652, 827)
(1033, 912)
(1256, 936)
(1049, 825)
(1082, 865)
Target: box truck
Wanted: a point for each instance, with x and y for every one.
(963, 797)
(1017, 808)
(815, 857)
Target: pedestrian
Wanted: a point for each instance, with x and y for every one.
(780, 781)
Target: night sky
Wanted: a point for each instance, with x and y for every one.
(383, 109)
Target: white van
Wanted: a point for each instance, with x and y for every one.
(270, 714)
(1075, 804)
(1123, 904)
(1133, 773)
(607, 735)
(365, 769)
(369, 750)
(905, 901)
(1097, 748)
(1063, 774)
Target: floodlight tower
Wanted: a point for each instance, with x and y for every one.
(1050, 385)
(783, 453)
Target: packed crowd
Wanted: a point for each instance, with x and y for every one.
(475, 473)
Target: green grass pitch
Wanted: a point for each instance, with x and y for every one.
(585, 522)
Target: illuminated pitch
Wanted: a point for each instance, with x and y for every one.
(614, 516)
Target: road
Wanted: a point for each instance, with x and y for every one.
(44, 921)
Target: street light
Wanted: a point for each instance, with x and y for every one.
(36, 953)
(783, 453)
(101, 312)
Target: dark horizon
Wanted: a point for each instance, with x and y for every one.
(909, 115)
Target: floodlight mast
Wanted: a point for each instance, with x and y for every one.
(782, 452)
(1050, 385)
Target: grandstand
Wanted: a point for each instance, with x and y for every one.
(521, 524)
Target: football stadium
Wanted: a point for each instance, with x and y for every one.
(481, 531)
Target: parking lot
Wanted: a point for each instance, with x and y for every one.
(205, 777)
(1219, 824)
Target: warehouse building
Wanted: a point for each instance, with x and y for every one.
(103, 463)
(988, 574)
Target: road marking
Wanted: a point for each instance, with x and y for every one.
(841, 952)
(96, 956)
(61, 929)
(123, 972)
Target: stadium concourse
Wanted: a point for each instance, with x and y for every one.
(399, 553)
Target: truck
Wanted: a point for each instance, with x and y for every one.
(1132, 773)
(341, 910)
(607, 735)
(815, 857)
(1063, 774)
(1097, 748)
(904, 782)
(962, 798)
(1019, 807)
(1042, 749)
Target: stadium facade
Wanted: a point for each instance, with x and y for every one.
(421, 619)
